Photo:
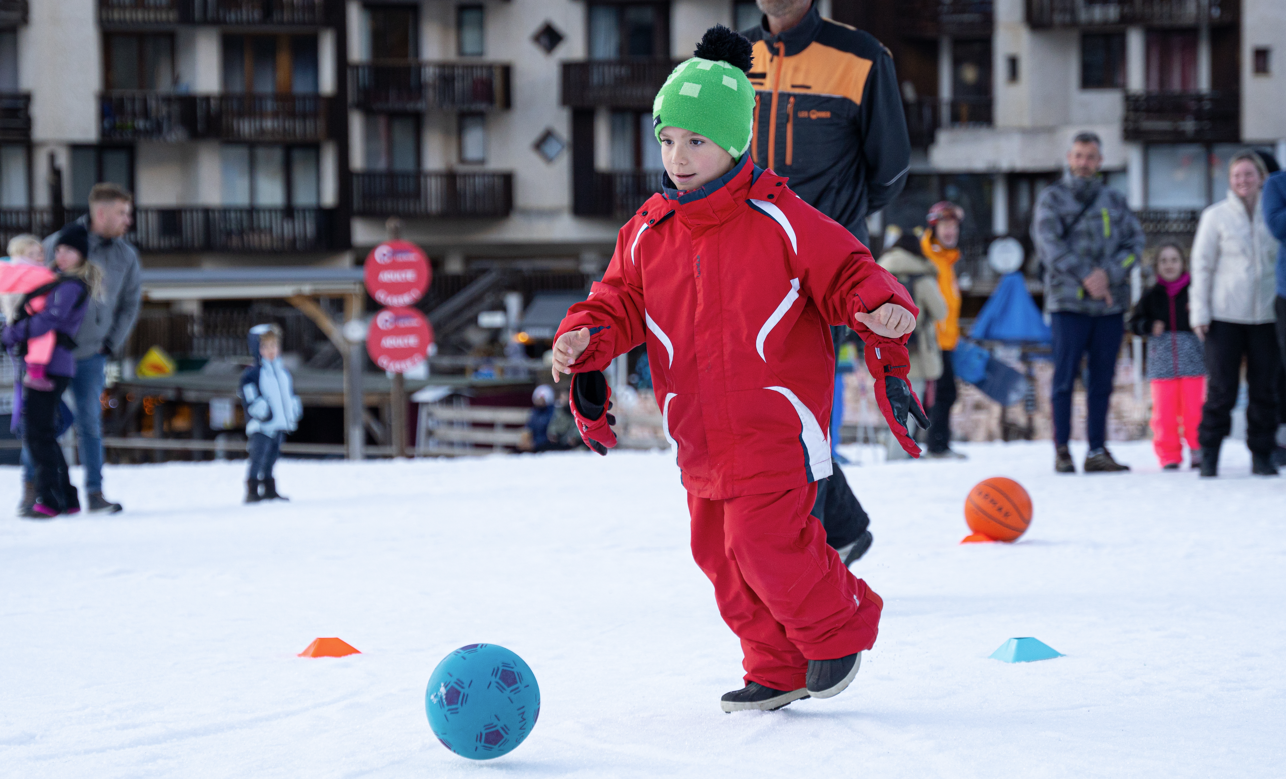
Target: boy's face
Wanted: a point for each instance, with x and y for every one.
(268, 349)
(692, 160)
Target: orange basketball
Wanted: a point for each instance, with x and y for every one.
(998, 508)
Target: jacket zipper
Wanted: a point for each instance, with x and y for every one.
(790, 130)
(754, 133)
(776, 84)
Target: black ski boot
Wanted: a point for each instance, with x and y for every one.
(28, 498)
(756, 697)
(270, 490)
(1101, 461)
(1262, 465)
(853, 552)
(1209, 462)
(1063, 460)
(100, 505)
(252, 491)
(828, 678)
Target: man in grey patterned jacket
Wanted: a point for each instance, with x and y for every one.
(1088, 240)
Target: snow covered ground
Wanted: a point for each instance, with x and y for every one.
(162, 641)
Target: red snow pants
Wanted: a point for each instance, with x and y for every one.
(1176, 401)
(782, 590)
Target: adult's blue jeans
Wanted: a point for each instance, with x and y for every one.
(87, 392)
(1075, 336)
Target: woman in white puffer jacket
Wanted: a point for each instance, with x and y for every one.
(1234, 282)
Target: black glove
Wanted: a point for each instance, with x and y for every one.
(591, 399)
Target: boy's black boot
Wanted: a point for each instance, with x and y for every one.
(1262, 465)
(270, 490)
(28, 498)
(1063, 460)
(1209, 461)
(252, 491)
(853, 552)
(756, 697)
(828, 678)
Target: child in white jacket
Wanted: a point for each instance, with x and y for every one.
(272, 410)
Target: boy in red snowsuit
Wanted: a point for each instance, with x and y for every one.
(732, 282)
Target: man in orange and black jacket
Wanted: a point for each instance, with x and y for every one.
(828, 112)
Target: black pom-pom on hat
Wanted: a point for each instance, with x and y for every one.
(720, 43)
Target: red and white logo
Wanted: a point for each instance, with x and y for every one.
(399, 339)
(397, 273)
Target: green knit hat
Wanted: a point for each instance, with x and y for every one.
(710, 94)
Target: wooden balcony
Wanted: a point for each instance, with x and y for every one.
(1171, 117)
(435, 195)
(429, 86)
(958, 18)
(13, 13)
(614, 83)
(619, 193)
(15, 117)
(924, 117)
(1045, 14)
(141, 115)
(239, 13)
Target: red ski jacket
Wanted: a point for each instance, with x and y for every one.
(733, 286)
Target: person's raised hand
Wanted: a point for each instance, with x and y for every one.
(889, 320)
(568, 349)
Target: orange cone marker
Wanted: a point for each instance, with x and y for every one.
(978, 538)
(329, 647)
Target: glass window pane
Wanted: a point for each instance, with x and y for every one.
(471, 31)
(234, 64)
(158, 59)
(650, 147)
(1103, 61)
(640, 31)
(375, 145)
(8, 61)
(604, 32)
(234, 167)
(268, 182)
(118, 167)
(405, 141)
(84, 173)
(13, 177)
(622, 157)
(122, 68)
(1176, 176)
(265, 65)
(394, 33)
(473, 138)
(305, 178)
(303, 63)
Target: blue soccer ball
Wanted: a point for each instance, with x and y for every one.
(482, 701)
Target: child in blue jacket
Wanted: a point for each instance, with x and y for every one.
(272, 410)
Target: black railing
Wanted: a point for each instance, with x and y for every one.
(15, 117)
(141, 115)
(1101, 13)
(444, 194)
(13, 13)
(959, 18)
(925, 116)
(619, 193)
(1160, 117)
(425, 86)
(616, 83)
(248, 13)
(245, 230)
(1169, 224)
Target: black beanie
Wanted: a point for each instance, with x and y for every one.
(76, 236)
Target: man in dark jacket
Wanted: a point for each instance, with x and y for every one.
(1088, 239)
(107, 325)
(828, 114)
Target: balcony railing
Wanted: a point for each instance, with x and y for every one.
(15, 117)
(241, 13)
(615, 83)
(426, 86)
(433, 195)
(959, 18)
(1169, 224)
(1105, 13)
(13, 13)
(140, 115)
(619, 193)
(244, 230)
(1182, 116)
(926, 115)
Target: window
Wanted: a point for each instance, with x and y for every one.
(139, 62)
(8, 61)
(394, 32)
(1011, 68)
(623, 31)
(270, 64)
(1103, 61)
(470, 31)
(1263, 60)
(1172, 61)
(972, 191)
(14, 192)
(92, 165)
(270, 176)
(548, 37)
(1178, 176)
(746, 14)
(392, 142)
(634, 146)
(549, 145)
(473, 138)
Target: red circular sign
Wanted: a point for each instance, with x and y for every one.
(398, 339)
(397, 273)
